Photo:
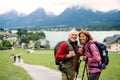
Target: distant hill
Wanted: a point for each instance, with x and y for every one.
(70, 17)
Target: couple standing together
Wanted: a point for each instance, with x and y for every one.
(72, 58)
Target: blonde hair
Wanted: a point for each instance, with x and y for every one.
(87, 34)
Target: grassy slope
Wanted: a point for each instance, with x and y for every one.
(8, 71)
(46, 58)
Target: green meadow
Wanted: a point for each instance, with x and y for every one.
(8, 71)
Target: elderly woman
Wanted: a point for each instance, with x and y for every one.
(92, 60)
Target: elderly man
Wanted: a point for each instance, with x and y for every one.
(71, 59)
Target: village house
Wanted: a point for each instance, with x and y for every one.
(10, 37)
(30, 47)
(112, 43)
(43, 43)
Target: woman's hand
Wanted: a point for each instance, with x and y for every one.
(84, 58)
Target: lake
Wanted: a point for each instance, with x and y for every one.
(54, 37)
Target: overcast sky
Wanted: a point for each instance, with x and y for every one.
(57, 6)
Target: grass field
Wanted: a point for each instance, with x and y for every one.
(8, 71)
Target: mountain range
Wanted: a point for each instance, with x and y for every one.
(69, 17)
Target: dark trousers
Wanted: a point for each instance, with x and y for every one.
(94, 76)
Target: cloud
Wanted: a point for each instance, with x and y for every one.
(57, 6)
(102, 5)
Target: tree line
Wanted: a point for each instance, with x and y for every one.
(23, 36)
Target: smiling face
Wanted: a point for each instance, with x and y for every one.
(82, 38)
(73, 35)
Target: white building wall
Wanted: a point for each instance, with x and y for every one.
(115, 47)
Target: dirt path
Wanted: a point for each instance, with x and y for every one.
(40, 72)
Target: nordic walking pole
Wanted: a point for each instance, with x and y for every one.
(77, 70)
(87, 72)
(84, 69)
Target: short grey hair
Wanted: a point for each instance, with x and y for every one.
(73, 31)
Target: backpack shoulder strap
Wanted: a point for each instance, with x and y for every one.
(69, 46)
(89, 50)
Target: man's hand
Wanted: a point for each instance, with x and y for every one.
(71, 54)
(80, 51)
